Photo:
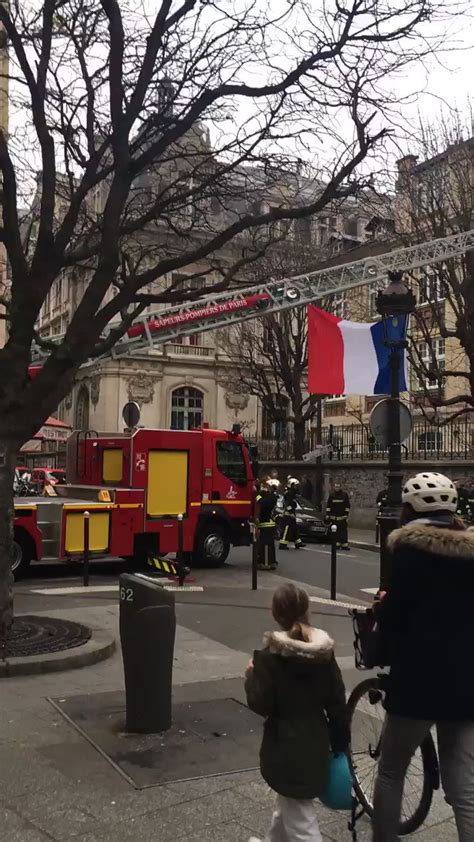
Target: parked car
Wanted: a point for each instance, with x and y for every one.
(47, 476)
(311, 526)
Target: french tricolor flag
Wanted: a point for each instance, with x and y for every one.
(351, 358)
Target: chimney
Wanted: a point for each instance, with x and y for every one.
(166, 97)
(405, 167)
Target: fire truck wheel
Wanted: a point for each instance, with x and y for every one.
(212, 546)
(21, 559)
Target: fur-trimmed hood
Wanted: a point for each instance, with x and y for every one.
(319, 648)
(437, 540)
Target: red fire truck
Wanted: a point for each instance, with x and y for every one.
(134, 485)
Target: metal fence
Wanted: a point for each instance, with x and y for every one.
(355, 441)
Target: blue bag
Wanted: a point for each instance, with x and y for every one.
(337, 793)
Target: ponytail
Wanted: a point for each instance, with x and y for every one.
(300, 631)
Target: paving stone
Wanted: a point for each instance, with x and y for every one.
(13, 828)
(258, 822)
(338, 831)
(228, 832)
(444, 832)
(64, 824)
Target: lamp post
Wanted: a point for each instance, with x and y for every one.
(394, 304)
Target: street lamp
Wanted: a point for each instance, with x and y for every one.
(394, 304)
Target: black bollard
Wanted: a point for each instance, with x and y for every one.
(85, 569)
(254, 559)
(333, 561)
(147, 633)
(181, 569)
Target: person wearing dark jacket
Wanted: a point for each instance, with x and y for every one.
(426, 623)
(464, 508)
(266, 501)
(306, 488)
(338, 507)
(296, 684)
(381, 500)
(289, 526)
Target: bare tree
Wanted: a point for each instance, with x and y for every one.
(435, 199)
(270, 361)
(111, 109)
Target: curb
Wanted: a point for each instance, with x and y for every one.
(99, 647)
(364, 545)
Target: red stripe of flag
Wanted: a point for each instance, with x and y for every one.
(325, 353)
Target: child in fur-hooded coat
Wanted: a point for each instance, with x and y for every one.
(296, 684)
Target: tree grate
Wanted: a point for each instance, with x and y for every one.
(33, 635)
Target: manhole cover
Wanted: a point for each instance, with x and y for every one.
(41, 635)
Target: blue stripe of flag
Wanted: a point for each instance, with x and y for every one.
(396, 331)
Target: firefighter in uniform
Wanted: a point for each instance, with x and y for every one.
(337, 512)
(465, 502)
(289, 526)
(381, 500)
(266, 501)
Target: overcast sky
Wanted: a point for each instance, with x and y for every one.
(441, 83)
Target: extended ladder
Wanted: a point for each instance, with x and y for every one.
(227, 308)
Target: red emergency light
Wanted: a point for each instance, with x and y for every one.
(34, 369)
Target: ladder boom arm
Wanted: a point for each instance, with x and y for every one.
(232, 307)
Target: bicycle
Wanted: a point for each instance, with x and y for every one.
(366, 712)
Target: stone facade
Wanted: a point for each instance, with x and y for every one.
(197, 364)
(152, 383)
(4, 128)
(414, 215)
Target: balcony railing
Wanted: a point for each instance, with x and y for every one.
(189, 350)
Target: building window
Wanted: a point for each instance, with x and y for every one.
(186, 408)
(302, 230)
(81, 418)
(431, 441)
(426, 362)
(334, 408)
(431, 288)
(188, 282)
(372, 401)
(268, 337)
(274, 423)
(373, 293)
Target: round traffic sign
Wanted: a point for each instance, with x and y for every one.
(378, 421)
(131, 414)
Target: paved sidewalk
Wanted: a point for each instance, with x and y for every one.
(55, 787)
(363, 538)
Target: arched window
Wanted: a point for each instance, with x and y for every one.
(81, 416)
(186, 408)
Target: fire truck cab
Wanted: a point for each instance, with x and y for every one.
(134, 485)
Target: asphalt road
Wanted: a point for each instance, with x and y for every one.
(356, 570)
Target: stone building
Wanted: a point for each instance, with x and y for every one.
(184, 383)
(433, 197)
(4, 129)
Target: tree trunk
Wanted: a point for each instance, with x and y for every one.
(8, 455)
(299, 441)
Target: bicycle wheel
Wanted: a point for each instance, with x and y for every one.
(366, 720)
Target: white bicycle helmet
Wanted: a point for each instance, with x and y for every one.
(429, 492)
